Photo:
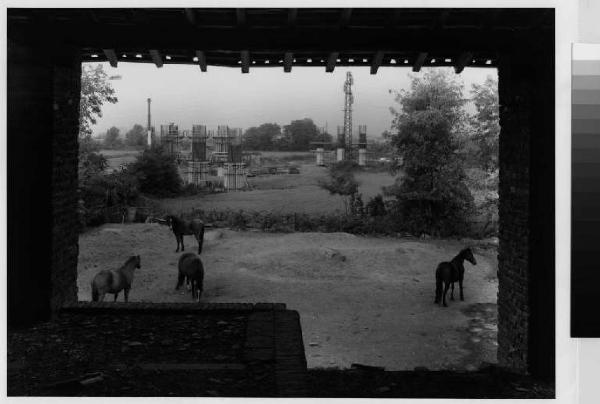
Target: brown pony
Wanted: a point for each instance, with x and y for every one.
(183, 227)
(113, 281)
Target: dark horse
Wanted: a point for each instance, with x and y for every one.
(114, 281)
(449, 272)
(183, 227)
(190, 267)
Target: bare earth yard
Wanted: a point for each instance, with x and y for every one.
(374, 307)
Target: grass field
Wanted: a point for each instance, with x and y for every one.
(284, 193)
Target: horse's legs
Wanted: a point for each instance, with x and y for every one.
(181, 239)
(116, 295)
(126, 293)
(101, 297)
(446, 286)
(200, 238)
(452, 291)
(462, 297)
(200, 286)
(438, 291)
(180, 279)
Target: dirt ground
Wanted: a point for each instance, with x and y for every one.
(361, 300)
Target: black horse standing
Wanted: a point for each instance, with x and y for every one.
(183, 227)
(190, 267)
(449, 272)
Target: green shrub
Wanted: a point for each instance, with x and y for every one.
(157, 173)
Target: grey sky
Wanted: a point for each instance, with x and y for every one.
(223, 96)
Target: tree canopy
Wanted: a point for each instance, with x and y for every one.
(433, 196)
(298, 135)
(486, 123)
(96, 90)
(112, 139)
(136, 136)
(261, 137)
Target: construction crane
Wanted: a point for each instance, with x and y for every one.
(348, 101)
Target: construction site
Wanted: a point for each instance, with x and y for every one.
(214, 159)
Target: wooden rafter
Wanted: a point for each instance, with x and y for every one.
(288, 59)
(377, 59)
(201, 60)
(245, 57)
(240, 16)
(331, 61)
(419, 61)
(156, 57)
(463, 60)
(190, 15)
(111, 56)
(292, 17)
(345, 17)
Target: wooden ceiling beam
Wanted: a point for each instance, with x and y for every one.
(245, 58)
(345, 17)
(156, 57)
(377, 59)
(288, 59)
(201, 60)
(331, 61)
(190, 16)
(240, 16)
(292, 17)
(419, 61)
(463, 60)
(111, 56)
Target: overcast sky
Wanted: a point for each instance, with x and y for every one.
(224, 96)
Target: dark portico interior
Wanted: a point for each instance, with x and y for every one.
(47, 46)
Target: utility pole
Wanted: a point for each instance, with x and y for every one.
(149, 125)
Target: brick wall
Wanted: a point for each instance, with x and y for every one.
(65, 236)
(526, 249)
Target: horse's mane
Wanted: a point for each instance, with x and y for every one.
(462, 253)
(129, 260)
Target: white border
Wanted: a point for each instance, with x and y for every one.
(566, 33)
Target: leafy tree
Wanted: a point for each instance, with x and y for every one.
(157, 172)
(136, 136)
(299, 133)
(486, 123)
(341, 182)
(96, 89)
(261, 137)
(112, 139)
(432, 195)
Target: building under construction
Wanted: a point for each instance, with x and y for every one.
(207, 159)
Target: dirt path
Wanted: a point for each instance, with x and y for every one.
(361, 299)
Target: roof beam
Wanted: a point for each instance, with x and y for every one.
(331, 60)
(463, 60)
(240, 16)
(111, 56)
(345, 17)
(292, 17)
(245, 57)
(156, 57)
(201, 60)
(440, 20)
(288, 58)
(419, 61)
(190, 15)
(377, 59)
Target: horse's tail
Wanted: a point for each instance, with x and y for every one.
(95, 294)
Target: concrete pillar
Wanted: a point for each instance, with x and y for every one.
(319, 156)
(340, 154)
(362, 157)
